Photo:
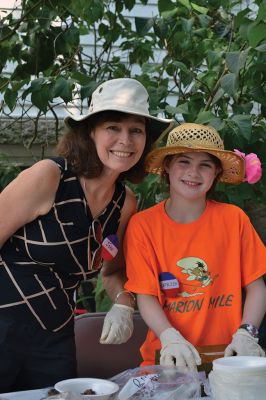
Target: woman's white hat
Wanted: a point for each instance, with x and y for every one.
(125, 95)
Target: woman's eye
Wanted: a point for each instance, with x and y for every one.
(183, 161)
(113, 128)
(137, 131)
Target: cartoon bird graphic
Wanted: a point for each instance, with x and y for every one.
(197, 270)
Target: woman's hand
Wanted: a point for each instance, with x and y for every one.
(118, 325)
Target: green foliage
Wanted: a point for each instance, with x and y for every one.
(8, 171)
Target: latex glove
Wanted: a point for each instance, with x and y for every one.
(118, 325)
(243, 344)
(176, 350)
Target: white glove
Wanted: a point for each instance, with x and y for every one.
(176, 350)
(118, 325)
(243, 344)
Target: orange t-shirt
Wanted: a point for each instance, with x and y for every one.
(196, 270)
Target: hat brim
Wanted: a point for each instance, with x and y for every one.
(158, 126)
(232, 164)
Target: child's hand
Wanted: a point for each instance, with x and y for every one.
(176, 350)
(243, 344)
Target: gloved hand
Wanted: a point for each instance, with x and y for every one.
(243, 344)
(176, 350)
(118, 325)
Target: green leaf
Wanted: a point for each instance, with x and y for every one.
(204, 117)
(143, 25)
(86, 91)
(81, 78)
(10, 98)
(180, 109)
(165, 5)
(235, 60)
(40, 98)
(261, 47)
(185, 3)
(181, 66)
(244, 124)
(201, 10)
(256, 33)
(213, 58)
(218, 95)
(262, 12)
(129, 4)
(229, 83)
(63, 88)
(169, 14)
(241, 17)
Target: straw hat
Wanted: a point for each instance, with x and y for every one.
(190, 137)
(125, 95)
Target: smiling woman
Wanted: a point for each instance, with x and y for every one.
(62, 221)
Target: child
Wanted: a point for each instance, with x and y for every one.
(189, 257)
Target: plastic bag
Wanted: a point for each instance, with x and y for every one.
(157, 382)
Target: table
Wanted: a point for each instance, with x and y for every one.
(36, 394)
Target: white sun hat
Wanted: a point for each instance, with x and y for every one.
(126, 95)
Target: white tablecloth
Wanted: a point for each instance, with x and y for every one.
(25, 395)
(37, 394)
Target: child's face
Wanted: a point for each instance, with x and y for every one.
(191, 175)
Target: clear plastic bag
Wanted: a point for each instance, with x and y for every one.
(158, 383)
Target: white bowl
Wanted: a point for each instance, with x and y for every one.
(104, 389)
(240, 363)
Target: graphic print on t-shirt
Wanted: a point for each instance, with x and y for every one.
(198, 276)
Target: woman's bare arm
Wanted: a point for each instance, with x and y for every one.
(29, 195)
(114, 272)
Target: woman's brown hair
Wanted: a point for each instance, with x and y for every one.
(77, 146)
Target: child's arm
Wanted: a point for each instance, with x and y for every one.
(176, 350)
(255, 303)
(245, 343)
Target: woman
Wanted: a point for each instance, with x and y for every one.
(60, 220)
(189, 267)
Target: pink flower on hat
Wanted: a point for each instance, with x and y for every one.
(253, 170)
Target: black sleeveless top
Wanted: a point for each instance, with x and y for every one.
(42, 264)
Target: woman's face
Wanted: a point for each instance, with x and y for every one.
(120, 144)
(191, 175)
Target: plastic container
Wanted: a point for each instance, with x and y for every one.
(238, 378)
